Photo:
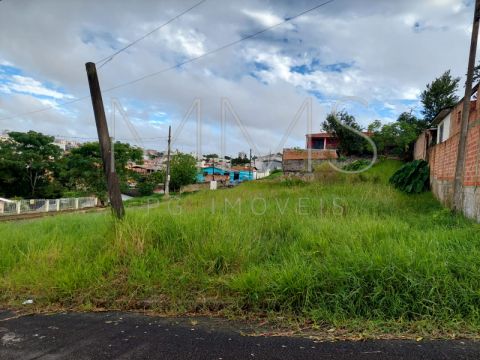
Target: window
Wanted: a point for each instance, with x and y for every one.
(317, 143)
(440, 134)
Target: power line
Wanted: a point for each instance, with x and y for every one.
(223, 47)
(109, 58)
(148, 139)
(46, 108)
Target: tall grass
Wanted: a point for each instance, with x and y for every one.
(351, 251)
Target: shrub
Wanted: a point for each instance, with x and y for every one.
(293, 182)
(412, 177)
(325, 173)
(357, 165)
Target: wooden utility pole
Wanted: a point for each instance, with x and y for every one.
(167, 175)
(213, 170)
(251, 173)
(462, 143)
(104, 140)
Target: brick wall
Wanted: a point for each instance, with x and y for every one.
(420, 149)
(442, 159)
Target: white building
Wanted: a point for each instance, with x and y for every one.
(268, 162)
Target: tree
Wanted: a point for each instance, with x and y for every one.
(350, 143)
(182, 171)
(438, 95)
(29, 165)
(240, 161)
(397, 138)
(147, 184)
(83, 168)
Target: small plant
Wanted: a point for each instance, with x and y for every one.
(412, 177)
(357, 165)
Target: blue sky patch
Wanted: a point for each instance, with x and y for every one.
(315, 65)
(104, 37)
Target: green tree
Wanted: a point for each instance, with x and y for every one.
(182, 171)
(29, 165)
(211, 156)
(147, 184)
(439, 94)
(350, 143)
(83, 167)
(240, 161)
(397, 138)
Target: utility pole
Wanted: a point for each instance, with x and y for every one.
(462, 142)
(167, 175)
(251, 173)
(104, 140)
(213, 170)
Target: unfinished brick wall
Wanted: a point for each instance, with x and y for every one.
(442, 159)
(419, 151)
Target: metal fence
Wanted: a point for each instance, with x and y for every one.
(14, 207)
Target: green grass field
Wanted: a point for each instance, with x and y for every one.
(350, 252)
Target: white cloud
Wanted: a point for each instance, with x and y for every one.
(390, 62)
(31, 86)
(265, 18)
(411, 94)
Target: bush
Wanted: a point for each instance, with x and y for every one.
(412, 177)
(357, 165)
(325, 173)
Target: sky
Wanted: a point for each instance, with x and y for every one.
(370, 57)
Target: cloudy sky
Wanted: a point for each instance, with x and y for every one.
(382, 51)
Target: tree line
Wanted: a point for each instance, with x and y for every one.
(32, 166)
(396, 138)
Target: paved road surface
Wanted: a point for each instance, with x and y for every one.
(132, 336)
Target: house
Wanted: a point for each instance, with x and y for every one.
(232, 175)
(439, 146)
(66, 145)
(325, 140)
(149, 166)
(321, 141)
(296, 160)
(209, 173)
(268, 162)
(242, 173)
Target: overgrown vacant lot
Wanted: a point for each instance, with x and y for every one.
(350, 252)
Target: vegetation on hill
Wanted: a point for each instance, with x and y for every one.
(354, 254)
(31, 166)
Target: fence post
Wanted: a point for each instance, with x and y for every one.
(57, 204)
(76, 203)
(19, 206)
(47, 205)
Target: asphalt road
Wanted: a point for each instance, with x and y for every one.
(133, 336)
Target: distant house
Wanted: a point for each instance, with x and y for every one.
(296, 160)
(269, 162)
(325, 140)
(232, 175)
(149, 166)
(322, 141)
(66, 145)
